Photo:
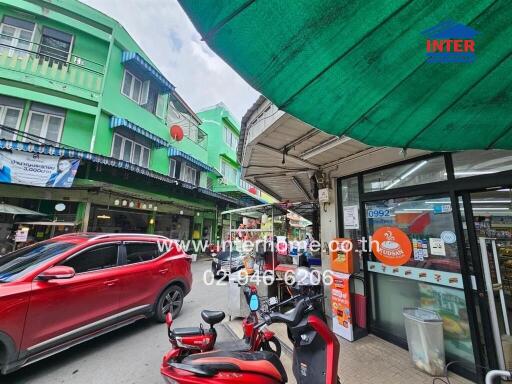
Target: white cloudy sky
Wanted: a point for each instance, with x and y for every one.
(166, 34)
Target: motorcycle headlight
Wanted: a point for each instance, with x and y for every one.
(216, 260)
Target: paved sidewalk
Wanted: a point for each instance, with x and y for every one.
(369, 360)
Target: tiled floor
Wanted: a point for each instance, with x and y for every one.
(369, 360)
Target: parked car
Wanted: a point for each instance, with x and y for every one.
(221, 264)
(72, 288)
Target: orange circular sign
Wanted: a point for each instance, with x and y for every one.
(391, 246)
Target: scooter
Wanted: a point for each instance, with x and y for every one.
(187, 341)
(315, 355)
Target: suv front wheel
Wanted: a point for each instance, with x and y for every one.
(170, 300)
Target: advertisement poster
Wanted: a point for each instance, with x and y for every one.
(451, 306)
(391, 246)
(351, 217)
(341, 308)
(37, 170)
(437, 246)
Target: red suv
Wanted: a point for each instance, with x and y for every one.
(63, 291)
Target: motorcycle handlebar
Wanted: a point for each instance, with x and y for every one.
(292, 317)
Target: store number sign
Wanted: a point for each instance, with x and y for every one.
(374, 213)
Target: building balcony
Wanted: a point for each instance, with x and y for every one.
(241, 189)
(76, 75)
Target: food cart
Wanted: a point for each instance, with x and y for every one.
(260, 235)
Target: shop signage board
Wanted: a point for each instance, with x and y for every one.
(341, 307)
(351, 217)
(449, 279)
(21, 235)
(37, 170)
(391, 246)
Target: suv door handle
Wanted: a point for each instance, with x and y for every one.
(163, 271)
(111, 283)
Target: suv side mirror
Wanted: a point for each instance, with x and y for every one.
(58, 272)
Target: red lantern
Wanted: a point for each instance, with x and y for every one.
(253, 190)
(176, 132)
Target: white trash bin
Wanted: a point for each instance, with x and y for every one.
(424, 329)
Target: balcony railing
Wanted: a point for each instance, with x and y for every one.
(249, 187)
(75, 75)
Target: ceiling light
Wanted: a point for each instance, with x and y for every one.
(472, 173)
(103, 217)
(406, 174)
(490, 209)
(322, 147)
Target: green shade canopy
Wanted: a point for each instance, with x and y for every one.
(358, 68)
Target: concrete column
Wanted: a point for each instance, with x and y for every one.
(85, 215)
(328, 231)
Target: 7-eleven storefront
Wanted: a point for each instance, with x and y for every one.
(455, 209)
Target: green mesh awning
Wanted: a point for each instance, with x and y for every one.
(358, 68)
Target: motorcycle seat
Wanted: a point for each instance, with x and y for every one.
(260, 362)
(212, 317)
(189, 331)
(240, 345)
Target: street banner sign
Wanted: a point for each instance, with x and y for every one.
(37, 170)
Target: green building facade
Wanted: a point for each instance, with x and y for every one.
(223, 131)
(75, 85)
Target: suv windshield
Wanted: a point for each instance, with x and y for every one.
(17, 263)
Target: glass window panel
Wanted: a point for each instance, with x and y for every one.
(475, 163)
(172, 168)
(116, 147)
(137, 86)
(431, 279)
(349, 200)
(36, 124)
(55, 44)
(10, 117)
(145, 157)
(127, 150)
(7, 31)
(54, 126)
(419, 172)
(140, 252)
(450, 303)
(24, 40)
(6, 38)
(95, 259)
(127, 84)
(137, 154)
(421, 218)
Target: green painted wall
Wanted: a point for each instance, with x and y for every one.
(77, 130)
(214, 120)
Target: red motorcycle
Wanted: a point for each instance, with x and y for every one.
(187, 341)
(315, 355)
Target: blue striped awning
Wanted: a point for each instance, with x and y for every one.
(108, 161)
(116, 122)
(174, 152)
(136, 63)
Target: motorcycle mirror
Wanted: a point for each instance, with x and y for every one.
(254, 302)
(168, 319)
